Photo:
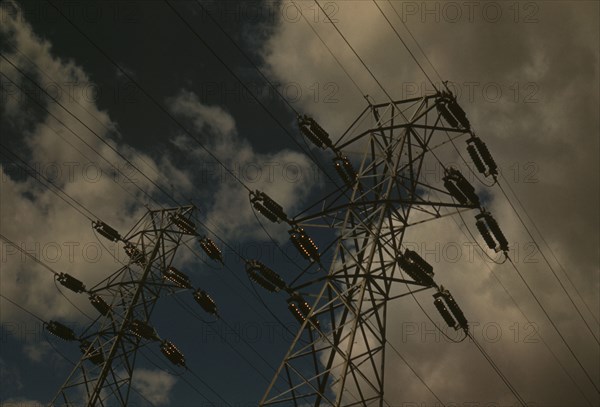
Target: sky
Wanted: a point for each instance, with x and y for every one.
(525, 72)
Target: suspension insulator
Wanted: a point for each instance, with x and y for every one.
(211, 249)
(485, 233)
(342, 173)
(205, 301)
(315, 133)
(91, 353)
(142, 330)
(346, 171)
(495, 229)
(476, 159)
(172, 353)
(71, 282)
(184, 224)
(305, 245)
(106, 231)
(455, 191)
(296, 312)
(486, 156)
(135, 254)
(60, 330)
(416, 267)
(99, 303)
(415, 258)
(301, 310)
(176, 277)
(445, 113)
(481, 156)
(486, 222)
(273, 206)
(459, 113)
(455, 310)
(466, 188)
(264, 276)
(441, 307)
(255, 276)
(459, 187)
(321, 133)
(265, 212)
(267, 206)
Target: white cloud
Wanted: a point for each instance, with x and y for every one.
(33, 216)
(286, 176)
(154, 385)
(546, 147)
(38, 351)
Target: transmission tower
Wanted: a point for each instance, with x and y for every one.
(125, 301)
(338, 355)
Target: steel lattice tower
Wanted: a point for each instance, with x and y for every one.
(338, 355)
(110, 344)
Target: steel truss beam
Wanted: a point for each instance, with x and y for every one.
(338, 355)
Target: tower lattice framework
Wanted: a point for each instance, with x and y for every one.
(110, 345)
(338, 355)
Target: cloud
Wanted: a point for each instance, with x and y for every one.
(542, 129)
(82, 161)
(154, 385)
(287, 176)
(38, 351)
(10, 376)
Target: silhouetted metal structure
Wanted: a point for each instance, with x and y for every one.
(338, 355)
(125, 301)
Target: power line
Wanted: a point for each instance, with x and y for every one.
(166, 112)
(56, 189)
(22, 308)
(100, 122)
(533, 240)
(553, 272)
(85, 125)
(500, 186)
(243, 52)
(355, 53)
(546, 260)
(481, 255)
(50, 269)
(141, 172)
(489, 359)
(405, 45)
(50, 343)
(43, 264)
(162, 108)
(416, 42)
(416, 374)
(370, 72)
(330, 51)
(102, 140)
(148, 95)
(554, 325)
(85, 142)
(306, 150)
(550, 249)
(386, 93)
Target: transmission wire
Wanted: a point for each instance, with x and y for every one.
(548, 263)
(553, 324)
